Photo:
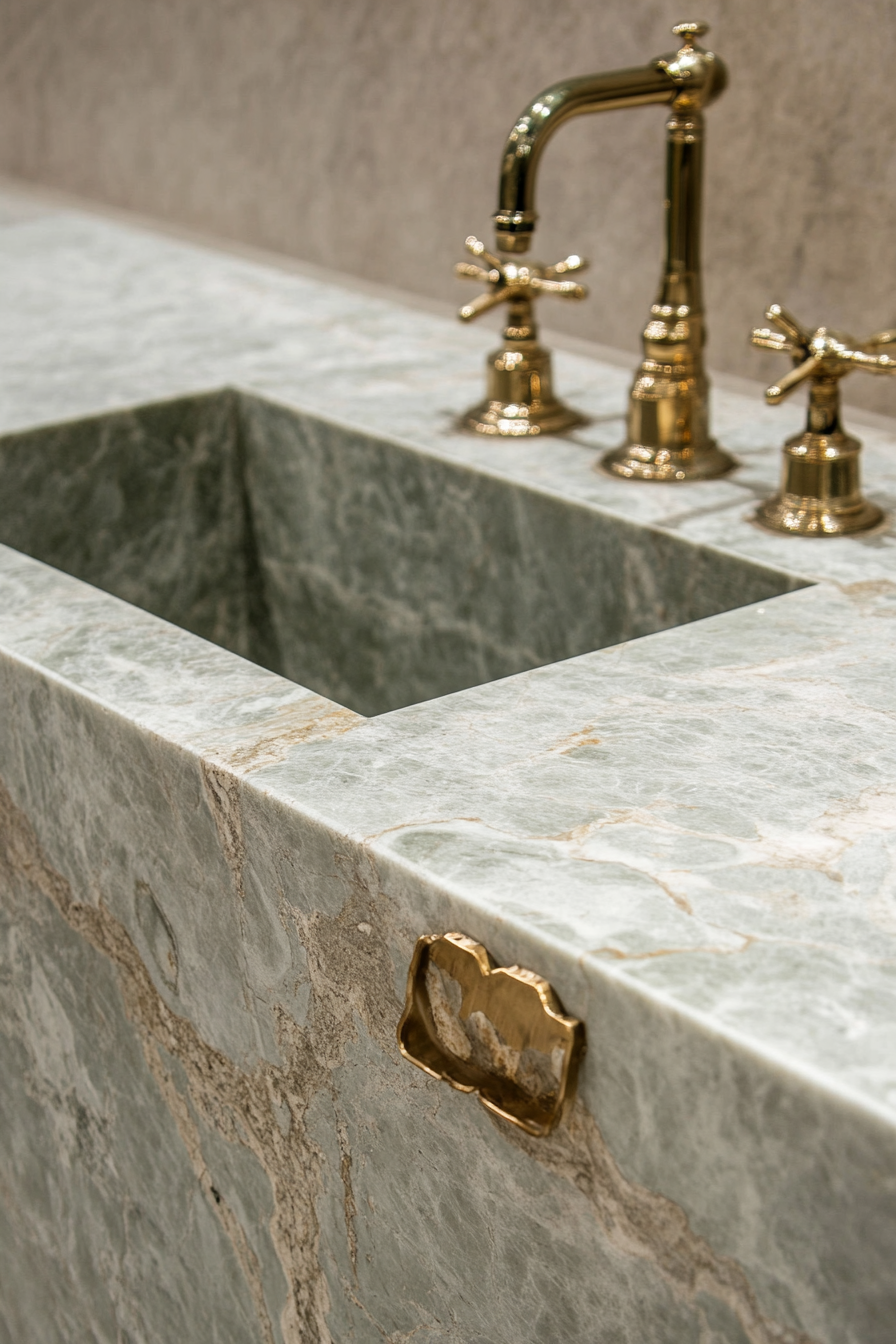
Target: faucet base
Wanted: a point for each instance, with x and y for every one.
(520, 399)
(637, 462)
(667, 434)
(821, 494)
(514, 421)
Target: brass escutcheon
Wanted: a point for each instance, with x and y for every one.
(499, 1031)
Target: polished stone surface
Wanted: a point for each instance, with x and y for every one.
(214, 877)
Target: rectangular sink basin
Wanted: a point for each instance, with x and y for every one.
(374, 573)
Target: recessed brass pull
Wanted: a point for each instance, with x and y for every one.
(496, 1030)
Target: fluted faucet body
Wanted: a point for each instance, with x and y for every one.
(668, 430)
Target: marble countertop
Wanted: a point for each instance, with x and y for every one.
(705, 817)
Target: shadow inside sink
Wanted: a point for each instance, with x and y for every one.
(370, 572)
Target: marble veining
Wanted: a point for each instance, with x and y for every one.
(214, 876)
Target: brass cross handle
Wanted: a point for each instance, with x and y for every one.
(514, 283)
(520, 397)
(820, 492)
(819, 354)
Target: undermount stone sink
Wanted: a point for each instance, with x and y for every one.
(373, 573)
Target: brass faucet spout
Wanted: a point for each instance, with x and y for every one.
(606, 92)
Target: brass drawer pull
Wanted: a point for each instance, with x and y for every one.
(496, 1030)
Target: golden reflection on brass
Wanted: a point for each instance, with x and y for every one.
(496, 1030)
(519, 398)
(820, 495)
(668, 426)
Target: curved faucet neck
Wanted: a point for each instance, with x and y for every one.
(688, 79)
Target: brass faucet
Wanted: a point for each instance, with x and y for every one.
(668, 431)
(820, 494)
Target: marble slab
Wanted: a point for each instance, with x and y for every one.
(213, 876)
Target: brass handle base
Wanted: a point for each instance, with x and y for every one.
(809, 518)
(498, 1031)
(520, 397)
(820, 494)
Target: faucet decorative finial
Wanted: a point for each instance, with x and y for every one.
(519, 399)
(820, 493)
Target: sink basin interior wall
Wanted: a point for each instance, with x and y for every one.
(370, 572)
(147, 504)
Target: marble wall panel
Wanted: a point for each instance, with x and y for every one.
(367, 137)
(223, 1143)
(253, 1120)
(239, 1153)
(105, 1231)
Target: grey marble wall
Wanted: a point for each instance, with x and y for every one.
(366, 136)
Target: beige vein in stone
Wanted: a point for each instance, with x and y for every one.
(245, 1106)
(649, 1226)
